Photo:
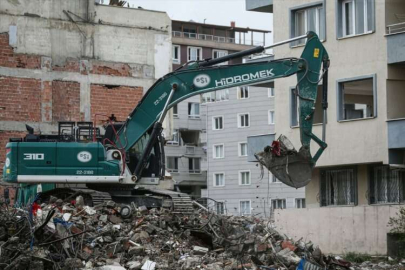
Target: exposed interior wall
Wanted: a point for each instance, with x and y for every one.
(339, 230)
(395, 99)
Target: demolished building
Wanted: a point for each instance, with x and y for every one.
(75, 61)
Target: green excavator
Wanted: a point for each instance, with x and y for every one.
(130, 153)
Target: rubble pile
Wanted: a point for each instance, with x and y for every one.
(110, 236)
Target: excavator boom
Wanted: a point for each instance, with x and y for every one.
(203, 77)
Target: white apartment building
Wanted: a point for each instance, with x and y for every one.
(236, 185)
(359, 182)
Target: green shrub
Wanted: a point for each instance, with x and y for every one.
(397, 223)
(356, 257)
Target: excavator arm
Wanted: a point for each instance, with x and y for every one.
(201, 77)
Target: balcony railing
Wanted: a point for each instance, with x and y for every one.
(396, 28)
(216, 38)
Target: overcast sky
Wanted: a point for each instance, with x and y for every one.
(220, 12)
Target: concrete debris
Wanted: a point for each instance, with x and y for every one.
(61, 235)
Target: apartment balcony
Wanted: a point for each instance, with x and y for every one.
(260, 5)
(212, 41)
(395, 43)
(396, 142)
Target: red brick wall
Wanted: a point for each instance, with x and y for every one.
(10, 59)
(66, 101)
(118, 100)
(71, 65)
(20, 99)
(113, 69)
(46, 100)
(4, 137)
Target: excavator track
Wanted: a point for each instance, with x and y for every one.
(91, 197)
(179, 203)
(182, 205)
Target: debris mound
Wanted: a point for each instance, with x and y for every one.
(111, 236)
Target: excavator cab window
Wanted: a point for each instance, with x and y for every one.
(153, 167)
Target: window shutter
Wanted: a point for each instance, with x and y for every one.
(339, 18)
(322, 195)
(359, 9)
(371, 15)
(371, 186)
(322, 24)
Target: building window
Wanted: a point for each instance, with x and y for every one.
(243, 92)
(244, 178)
(175, 140)
(194, 54)
(218, 54)
(299, 203)
(243, 120)
(194, 165)
(274, 179)
(175, 111)
(242, 149)
(357, 98)
(386, 185)
(307, 19)
(355, 17)
(220, 95)
(218, 151)
(338, 187)
(278, 204)
(220, 208)
(193, 110)
(172, 164)
(176, 54)
(271, 117)
(245, 208)
(294, 109)
(217, 123)
(270, 92)
(219, 179)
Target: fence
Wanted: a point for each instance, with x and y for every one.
(219, 39)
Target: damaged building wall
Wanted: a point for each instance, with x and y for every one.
(70, 60)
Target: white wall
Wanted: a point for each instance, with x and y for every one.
(338, 230)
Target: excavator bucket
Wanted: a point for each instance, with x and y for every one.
(292, 167)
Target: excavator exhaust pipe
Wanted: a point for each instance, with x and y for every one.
(291, 167)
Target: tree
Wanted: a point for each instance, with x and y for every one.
(117, 3)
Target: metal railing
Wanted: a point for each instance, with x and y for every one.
(396, 28)
(219, 39)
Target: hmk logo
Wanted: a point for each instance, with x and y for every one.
(34, 156)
